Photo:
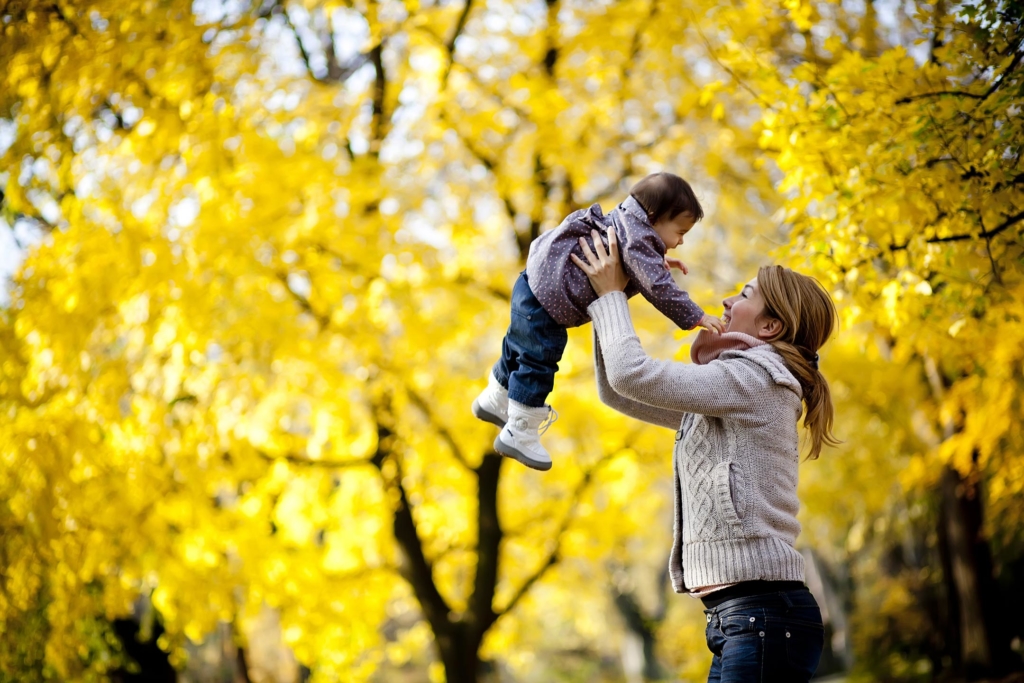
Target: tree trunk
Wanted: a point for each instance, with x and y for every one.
(832, 589)
(967, 556)
(154, 664)
(459, 655)
(640, 662)
(970, 576)
(953, 647)
(639, 659)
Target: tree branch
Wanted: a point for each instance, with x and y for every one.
(416, 568)
(490, 164)
(501, 99)
(459, 26)
(999, 81)
(306, 461)
(549, 562)
(443, 431)
(303, 52)
(1016, 180)
(137, 79)
(553, 556)
(637, 43)
(41, 223)
(500, 294)
(627, 169)
(378, 127)
(984, 234)
(939, 93)
(336, 72)
(903, 247)
(996, 275)
(768, 105)
(345, 262)
(489, 536)
(322, 319)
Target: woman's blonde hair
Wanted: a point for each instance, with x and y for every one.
(808, 317)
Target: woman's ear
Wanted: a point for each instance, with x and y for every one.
(768, 328)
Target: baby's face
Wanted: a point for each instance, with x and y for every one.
(672, 231)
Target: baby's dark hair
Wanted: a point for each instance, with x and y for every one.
(666, 195)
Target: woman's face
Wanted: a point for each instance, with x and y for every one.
(743, 310)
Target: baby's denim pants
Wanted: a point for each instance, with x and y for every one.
(531, 349)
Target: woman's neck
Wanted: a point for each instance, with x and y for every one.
(709, 346)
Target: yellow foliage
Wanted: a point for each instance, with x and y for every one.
(271, 277)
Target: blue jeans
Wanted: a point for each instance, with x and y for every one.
(531, 349)
(765, 638)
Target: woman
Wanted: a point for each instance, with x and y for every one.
(736, 456)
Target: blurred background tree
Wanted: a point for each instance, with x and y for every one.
(901, 169)
(263, 254)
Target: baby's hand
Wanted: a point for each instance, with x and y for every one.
(712, 323)
(676, 263)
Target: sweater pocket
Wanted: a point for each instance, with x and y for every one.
(731, 491)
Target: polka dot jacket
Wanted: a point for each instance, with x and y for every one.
(564, 290)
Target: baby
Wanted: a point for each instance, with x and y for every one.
(553, 294)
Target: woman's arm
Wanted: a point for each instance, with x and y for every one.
(664, 417)
(719, 389)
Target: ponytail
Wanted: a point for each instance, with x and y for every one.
(808, 317)
(818, 410)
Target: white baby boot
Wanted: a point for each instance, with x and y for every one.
(520, 438)
(492, 403)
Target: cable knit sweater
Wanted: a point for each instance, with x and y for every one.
(736, 452)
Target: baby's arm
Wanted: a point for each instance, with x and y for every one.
(709, 322)
(650, 271)
(671, 263)
(712, 323)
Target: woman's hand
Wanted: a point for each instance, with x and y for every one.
(604, 269)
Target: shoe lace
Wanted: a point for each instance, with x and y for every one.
(548, 421)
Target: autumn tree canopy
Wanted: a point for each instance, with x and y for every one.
(266, 252)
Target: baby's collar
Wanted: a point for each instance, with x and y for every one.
(632, 206)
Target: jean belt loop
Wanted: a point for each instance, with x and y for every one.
(785, 598)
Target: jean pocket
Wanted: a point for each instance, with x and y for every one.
(804, 644)
(742, 625)
(803, 623)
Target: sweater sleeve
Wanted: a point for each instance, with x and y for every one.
(641, 411)
(646, 267)
(719, 389)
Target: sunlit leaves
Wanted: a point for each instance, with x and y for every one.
(260, 273)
